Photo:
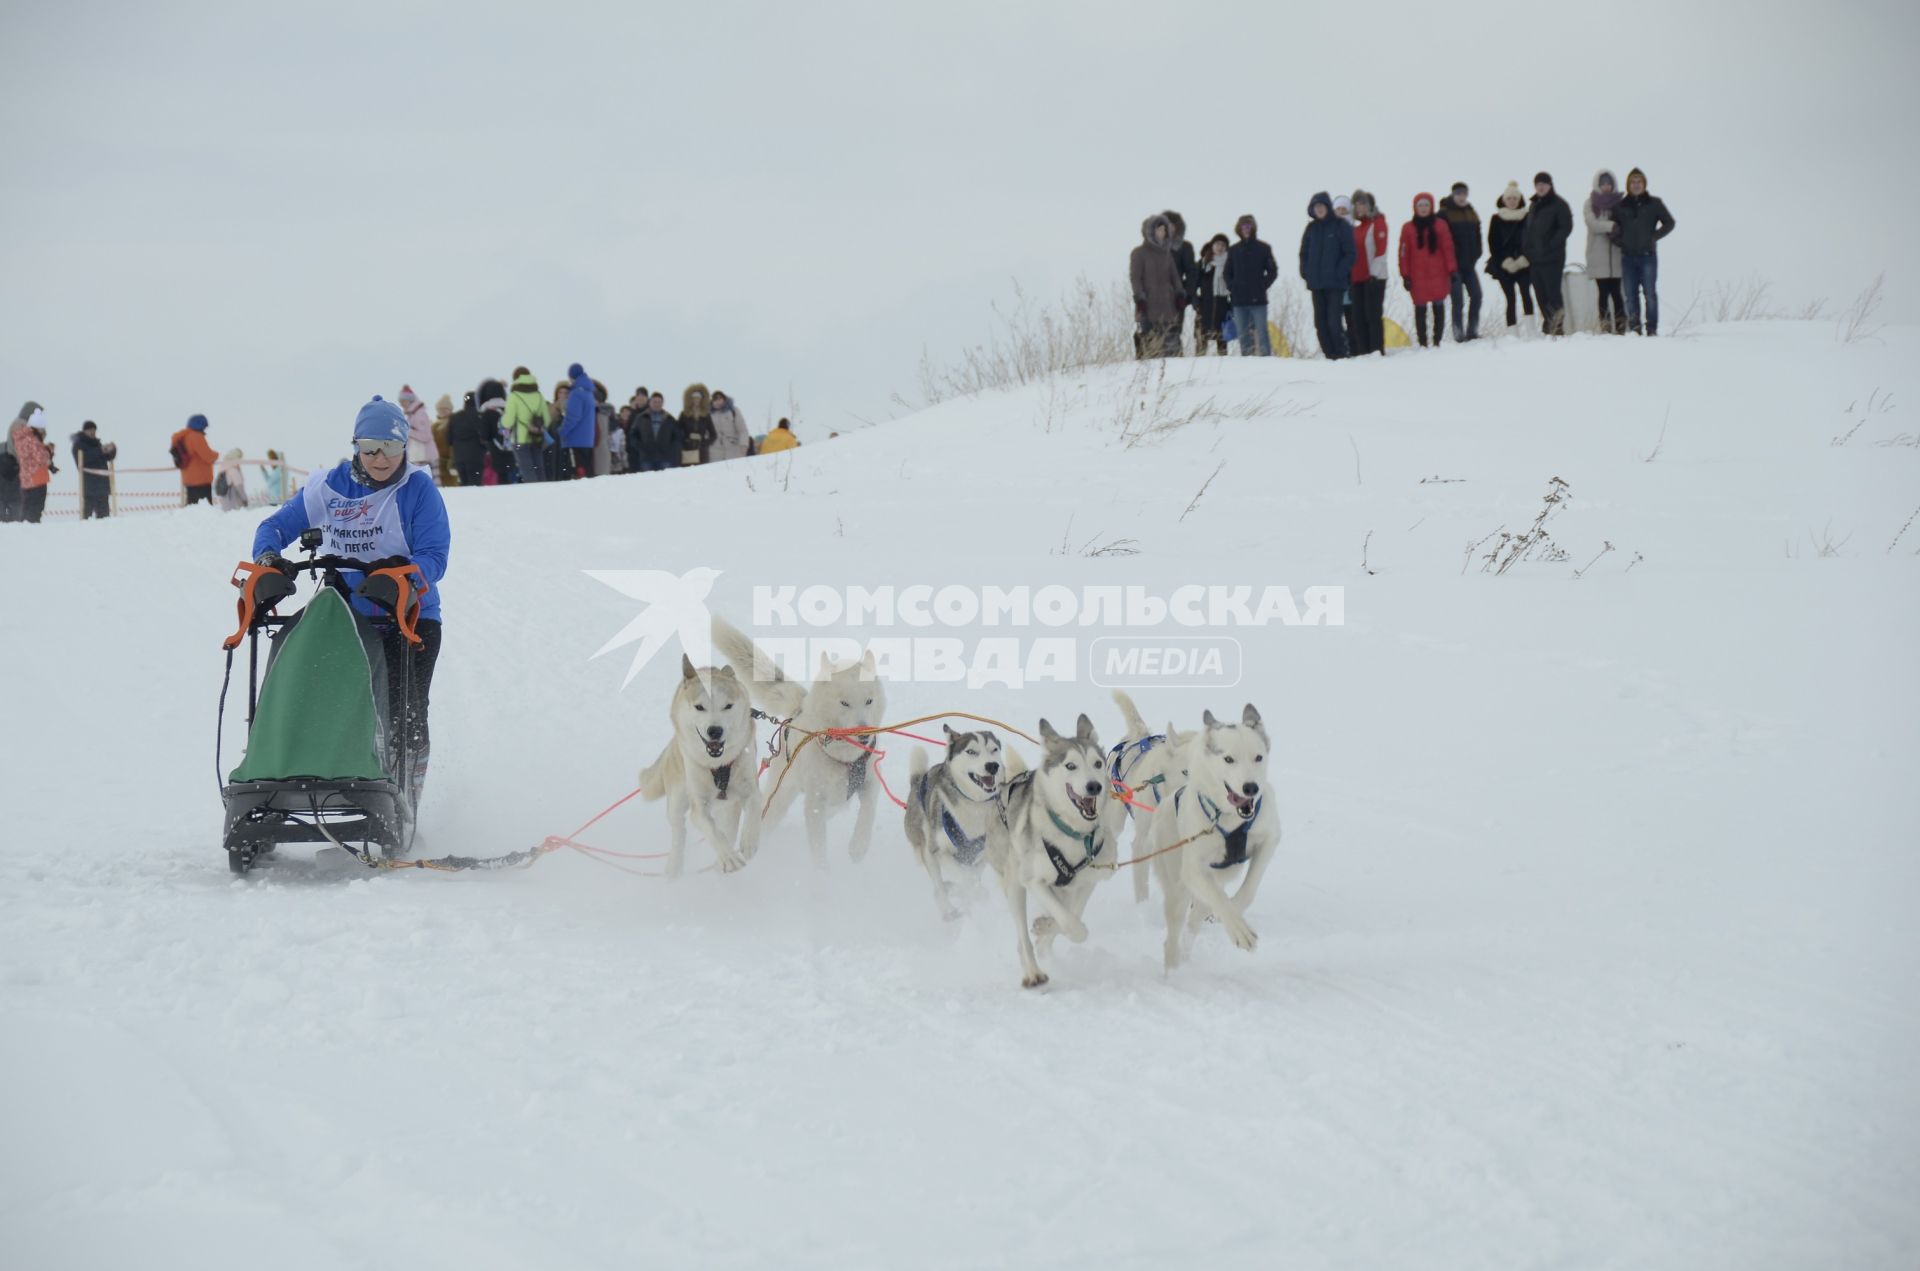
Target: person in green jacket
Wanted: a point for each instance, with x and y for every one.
(525, 423)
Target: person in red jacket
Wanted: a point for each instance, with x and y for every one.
(1370, 270)
(1427, 264)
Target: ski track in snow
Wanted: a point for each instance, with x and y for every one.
(1588, 945)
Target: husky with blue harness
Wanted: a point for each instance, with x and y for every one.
(1217, 823)
(1143, 772)
(953, 808)
(1062, 838)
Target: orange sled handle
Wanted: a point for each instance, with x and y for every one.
(246, 576)
(409, 585)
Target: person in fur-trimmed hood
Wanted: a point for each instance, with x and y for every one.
(1643, 221)
(1326, 266)
(1463, 292)
(1186, 262)
(1426, 267)
(696, 425)
(1251, 272)
(1603, 253)
(1506, 259)
(1159, 295)
(420, 444)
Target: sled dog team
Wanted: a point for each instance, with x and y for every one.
(1049, 834)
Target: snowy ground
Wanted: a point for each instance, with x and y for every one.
(1591, 944)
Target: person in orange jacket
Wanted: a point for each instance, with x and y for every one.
(29, 440)
(195, 459)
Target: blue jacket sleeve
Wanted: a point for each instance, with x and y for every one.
(283, 527)
(429, 536)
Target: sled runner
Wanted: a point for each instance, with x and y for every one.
(324, 762)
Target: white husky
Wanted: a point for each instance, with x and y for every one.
(709, 770)
(953, 809)
(1062, 837)
(829, 772)
(1222, 818)
(1147, 763)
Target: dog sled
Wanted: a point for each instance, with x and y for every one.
(325, 763)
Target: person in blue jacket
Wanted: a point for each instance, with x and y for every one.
(1326, 265)
(577, 426)
(376, 508)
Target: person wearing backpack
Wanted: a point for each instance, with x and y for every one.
(525, 424)
(195, 459)
(10, 466)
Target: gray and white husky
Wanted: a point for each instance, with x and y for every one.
(953, 809)
(829, 773)
(1223, 814)
(1062, 838)
(709, 770)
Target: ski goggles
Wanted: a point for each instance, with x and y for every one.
(391, 449)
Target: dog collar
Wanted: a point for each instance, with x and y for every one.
(1086, 840)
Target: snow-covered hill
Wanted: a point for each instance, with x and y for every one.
(1590, 944)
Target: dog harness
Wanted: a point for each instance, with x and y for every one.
(965, 850)
(721, 776)
(1119, 765)
(1236, 839)
(1063, 872)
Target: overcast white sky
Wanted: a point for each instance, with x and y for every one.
(269, 212)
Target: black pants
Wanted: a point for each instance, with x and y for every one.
(579, 462)
(470, 470)
(407, 693)
(1209, 315)
(1439, 308)
(1327, 321)
(1613, 306)
(93, 504)
(1550, 287)
(1369, 317)
(9, 499)
(1465, 294)
(199, 494)
(1521, 282)
(32, 503)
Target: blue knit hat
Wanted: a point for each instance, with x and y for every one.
(576, 371)
(380, 420)
(198, 423)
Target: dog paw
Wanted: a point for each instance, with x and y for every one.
(1044, 927)
(1076, 933)
(729, 862)
(1034, 981)
(950, 914)
(1243, 936)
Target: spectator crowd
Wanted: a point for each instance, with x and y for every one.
(505, 432)
(1346, 265)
